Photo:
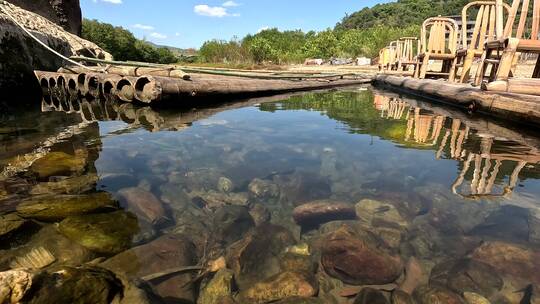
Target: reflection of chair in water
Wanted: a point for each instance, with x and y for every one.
(391, 108)
(424, 127)
(457, 137)
(486, 168)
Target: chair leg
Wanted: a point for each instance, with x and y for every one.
(467, 64)
(452, 73)
(536, 73)
(507, 60)
(423, 69)
(482, 67)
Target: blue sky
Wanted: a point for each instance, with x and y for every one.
(188, 23)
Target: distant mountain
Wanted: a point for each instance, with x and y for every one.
(177, 51)
(401, 13)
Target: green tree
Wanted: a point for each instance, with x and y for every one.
(322, 45)
(261, 50)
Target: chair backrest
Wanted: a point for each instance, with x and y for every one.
(439, 35)
(527, 25)
(406, 48)
(485, 24)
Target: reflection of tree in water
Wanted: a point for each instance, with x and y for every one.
(488, 165)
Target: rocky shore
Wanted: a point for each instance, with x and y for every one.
(20, 55)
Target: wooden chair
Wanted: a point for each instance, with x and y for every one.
(406, 52)
(387, 57)
(503, 52)
(472, 45)
(439, 42)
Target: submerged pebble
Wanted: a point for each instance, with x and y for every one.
(315, 213)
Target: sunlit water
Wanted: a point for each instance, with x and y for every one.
(456, 181)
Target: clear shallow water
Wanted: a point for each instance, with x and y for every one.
(433, 185)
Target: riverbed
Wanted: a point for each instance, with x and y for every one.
(355, 195)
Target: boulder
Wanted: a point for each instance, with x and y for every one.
(20, 55)
(58, 207)
(257, 256)
(75, 285)
(14, 285)
(356, 262)
(281, 286)
(231, 223)
(370, 296)
(9, 223)
(401, 297)
(372, 211)
(58, 164)
(318, 212)
(510, 259)
(163, 254)
(64, 250)
(225, 185)
(72, 185)
(220, 287)
(143, 204)
(107, 233)
(263, 189)
(466, 275)
(436, 295)
(474, 298)
(260, 214)
(66, 13)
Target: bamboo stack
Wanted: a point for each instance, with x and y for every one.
(153, 85)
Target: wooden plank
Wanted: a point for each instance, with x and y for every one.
(536, 20)
(522, 19)
(500, 19)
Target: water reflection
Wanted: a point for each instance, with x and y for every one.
(213, 205)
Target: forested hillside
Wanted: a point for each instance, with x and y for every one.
(401, 13)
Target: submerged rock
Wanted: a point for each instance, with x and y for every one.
(231, 223)
(371, 211)
(257, 256)
(75, 285)
(58, 207)
(413, 276)
(510, 259)
(401, 297)
(143, 204)
(219, 288)
(281, 286)
(263, 189)
(303, 187)
(508, 223)
(319, 212)
(72, 185)
(436, 295)
(466, 275)
(58, 164)
(14, 285)
(10, 223)
(370, 296)
(106, 233)
(64, 250)
(161, 255)
(225, 185)
(260, 214)
(301, 300)
(355, 262)
(474, 298)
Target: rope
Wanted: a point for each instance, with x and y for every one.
(39, 41)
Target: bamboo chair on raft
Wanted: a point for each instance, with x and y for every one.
(472, 45)
(439, 42)
(406, 53)
(387, 57)
(503, 53)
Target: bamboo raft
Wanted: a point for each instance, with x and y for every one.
(516, 107)
(158, 85)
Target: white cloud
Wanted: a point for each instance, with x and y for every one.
(210, 11)
(264, 28)
(177, 34)
(230, 4)
(113, 1)
(158, 35)
(143, 27)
